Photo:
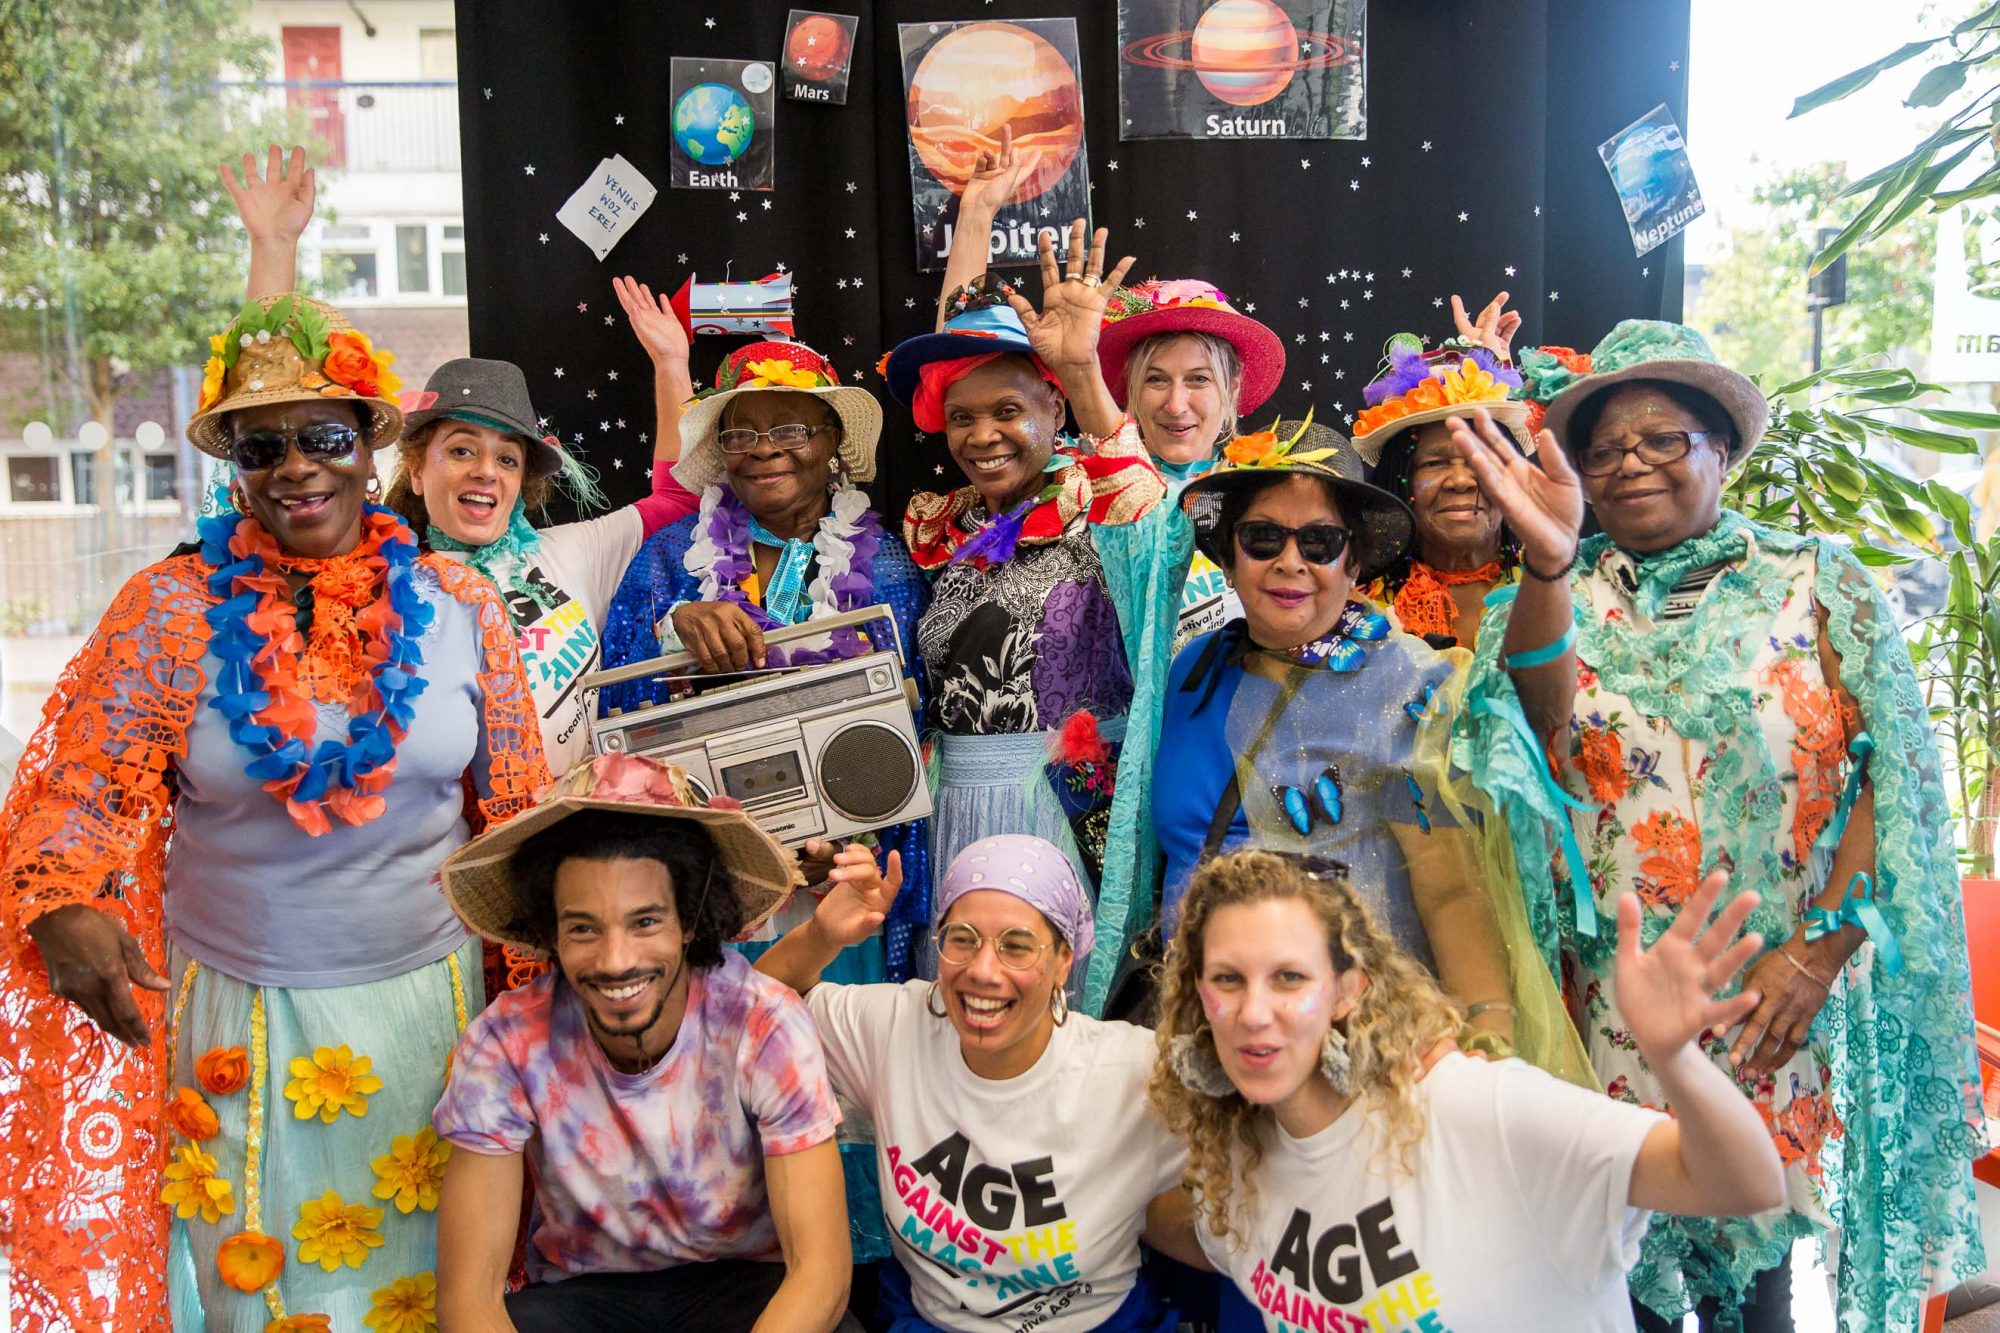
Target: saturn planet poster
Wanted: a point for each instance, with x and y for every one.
(1243, 69)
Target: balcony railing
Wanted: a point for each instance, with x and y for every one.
(376, 127)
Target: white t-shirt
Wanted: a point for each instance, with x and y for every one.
(1014, 1204)
(579, 567)
(1513, 1221)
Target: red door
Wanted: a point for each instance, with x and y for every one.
(312, 55)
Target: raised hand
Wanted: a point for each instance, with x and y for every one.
(1543, 505)
(996, 178)
(1064, 332)
(1667, 993)
(653, 321)
(862, 894)
(1494, 329)
(278, 204)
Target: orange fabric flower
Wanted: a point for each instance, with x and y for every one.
(249, 1260)
(191, 1117)
(1673, 855)
(301, 1323)
(223, 1070)
(1601, 758)
(193, 1188)
(357, 363)
(1252, 450)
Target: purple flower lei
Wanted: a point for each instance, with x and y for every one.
(728, 531)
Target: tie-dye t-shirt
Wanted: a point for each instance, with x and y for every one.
(635, 1172)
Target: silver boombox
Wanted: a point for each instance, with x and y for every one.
(827, 751)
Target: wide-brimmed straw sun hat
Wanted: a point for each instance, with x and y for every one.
(293, 349)
(479, 879)
(1418, 387)
(776, 367)
(1652, 349)
(1382, 525)
(1187, 305)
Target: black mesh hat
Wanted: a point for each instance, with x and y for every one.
(1382, 525)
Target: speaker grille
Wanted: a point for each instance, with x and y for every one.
(868, 771)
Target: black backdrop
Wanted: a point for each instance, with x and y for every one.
(1493, 111)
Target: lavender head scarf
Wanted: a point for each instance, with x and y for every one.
(1032, 870)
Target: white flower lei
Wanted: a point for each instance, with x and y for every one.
(833, 543)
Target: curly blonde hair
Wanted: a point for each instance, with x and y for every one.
(1400, 1015)
(409, 506)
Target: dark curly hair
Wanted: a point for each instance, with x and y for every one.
(1393, 474)
(705, 901)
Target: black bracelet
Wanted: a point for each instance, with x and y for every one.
(1556, 577)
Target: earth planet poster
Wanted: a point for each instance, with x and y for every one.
(1243, 69)
(962, 83)
(723, 123)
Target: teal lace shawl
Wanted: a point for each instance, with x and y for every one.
(1908, 1089)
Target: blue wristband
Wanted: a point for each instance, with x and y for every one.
(1535, 657)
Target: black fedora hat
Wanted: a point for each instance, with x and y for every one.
(486, 393)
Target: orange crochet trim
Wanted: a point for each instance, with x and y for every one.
(1822, 725)
(1673, 855)
(83, 1137)
(1600, 757)
(1424, 603)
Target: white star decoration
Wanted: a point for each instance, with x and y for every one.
(1305, 164)
(1464, 217)
(642, 437)
(544, 238)
(857, 375)
(857, 282)
(1354, 185)
(767, 205)
(1112, 165)
(781, 266)
(1305, 386)
(541, 423)
(604, 425)
(708, 23)
(850, 233)
(852, 187)
(1509, 270)
(1427, 145)
(611, 375)
(590, 393)
(1555, 296)
(1673, 66)
(841, 283)
(909, 303)
(1437, 301)
(1364, 162)
(1646, 272)
(488, 92)
(1250, 309)
(1323, 334)
(1235, 236)
(1138, 222)
(847, 340)
(618, 463)
(608, 322)
(680, 259)
(618, 120)
(1347, 337)
(559, 372)
(1191, 215)
(1406, 273)
(735, 197)
(742, 216)
(583, 307)
(1303, 303)
(621, 423)
(1343, 305)
(1300, 337)
(1325, 357)
(529, 169)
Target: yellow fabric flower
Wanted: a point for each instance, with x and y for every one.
(211, 384)
(216, 342)
(775, 374)
(407, 1305)
(412, 1170)
(335, 1079)
(332, 1232)
(1469, 382)
(192, 1187)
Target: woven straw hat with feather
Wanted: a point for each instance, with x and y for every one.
(293, 349)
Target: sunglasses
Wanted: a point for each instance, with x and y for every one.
(1324, 800)
(1319, 543)
(324, 442)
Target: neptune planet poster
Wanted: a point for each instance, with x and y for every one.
(724, 125)
(1243, 69)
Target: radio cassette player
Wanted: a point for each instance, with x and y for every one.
(826, 751)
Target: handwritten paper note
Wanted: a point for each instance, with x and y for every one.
(606, 205)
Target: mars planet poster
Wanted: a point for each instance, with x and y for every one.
(819, 52)
(1243, 69)
(962, 83)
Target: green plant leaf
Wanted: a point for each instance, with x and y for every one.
(1855, 80)
(1937, 84)
(1984, 185)
(1878, 557)
(1934, 440)
(1945, 416)
(1983, 16)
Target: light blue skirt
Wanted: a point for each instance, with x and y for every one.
(406, 1026)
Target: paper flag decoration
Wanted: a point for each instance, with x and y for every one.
(735, 309)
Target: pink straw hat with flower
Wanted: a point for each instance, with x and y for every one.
(1187, 305)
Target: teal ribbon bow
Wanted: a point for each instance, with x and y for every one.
(1858, 908)
(784, 600)
(1860, 748)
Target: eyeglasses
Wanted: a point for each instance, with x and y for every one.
(322, 442)
(791, 435)
(1325, 800)
(1319, 543)
(1017, 948)
(1601, 460)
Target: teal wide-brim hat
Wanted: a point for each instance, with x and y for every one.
(1638, 350)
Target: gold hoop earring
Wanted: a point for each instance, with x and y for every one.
(933, 1004)
(1059, 1005)
(374, 488)
(237, 502)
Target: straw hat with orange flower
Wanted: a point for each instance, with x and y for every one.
(1380, 525)
(293, 349)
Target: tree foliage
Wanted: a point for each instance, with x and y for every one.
(1753, 304)
(117, 249)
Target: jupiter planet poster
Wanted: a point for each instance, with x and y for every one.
(1243, 69)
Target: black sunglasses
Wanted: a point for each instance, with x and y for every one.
(1319, 543)
(323, 442)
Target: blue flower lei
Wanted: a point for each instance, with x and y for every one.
(240, 692)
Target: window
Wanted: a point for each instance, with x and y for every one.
(437, 53)
(451, 260)
(413, 259)
(157, 472)
(83, 477)
(348, 274)
(34, 479)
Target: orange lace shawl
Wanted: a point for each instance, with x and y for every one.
(89, 820)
